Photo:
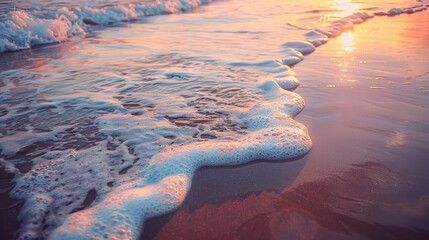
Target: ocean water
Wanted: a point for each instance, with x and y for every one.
(110, 107)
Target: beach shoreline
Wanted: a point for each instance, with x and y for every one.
(354, 172)
(366, 93)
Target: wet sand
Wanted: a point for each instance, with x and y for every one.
(366, 96)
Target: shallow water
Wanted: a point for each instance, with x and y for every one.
(366, 175)
(83, 119)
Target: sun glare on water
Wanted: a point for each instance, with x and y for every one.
(348, 42)
(346, 54)
(346, 7)
(340, 9)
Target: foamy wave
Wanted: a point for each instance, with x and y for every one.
(22, 30)
(168, 176)
(19, 30)
(57, 183)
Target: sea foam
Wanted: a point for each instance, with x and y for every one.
(25, 29)
(167, 178)
(19, 30)
(275, 136)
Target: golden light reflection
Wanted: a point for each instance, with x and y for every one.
(397, 139)
(346, 54)
(354, 49)
(348, 41)
(342, 8)
(346, 7)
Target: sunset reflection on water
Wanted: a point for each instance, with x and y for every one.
(345, 55)
(340, 9)
(348, 41)
(347, 7)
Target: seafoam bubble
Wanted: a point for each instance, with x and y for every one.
(301, 46)
(270, 66)
(288, 83)
(266, 63)
(291, 57)
(316, 38)
(289, 61)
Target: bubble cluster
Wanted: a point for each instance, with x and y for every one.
(302, 47)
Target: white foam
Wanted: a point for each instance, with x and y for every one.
(68, 162)
(160, 181)
(23, 30)
(291, 57)
(19, 140)
(270, 66)
(20, 31)
(122, 214)
(167, 178)
(301, 46)
(316, 38)
(50, 186)
(288, 82)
